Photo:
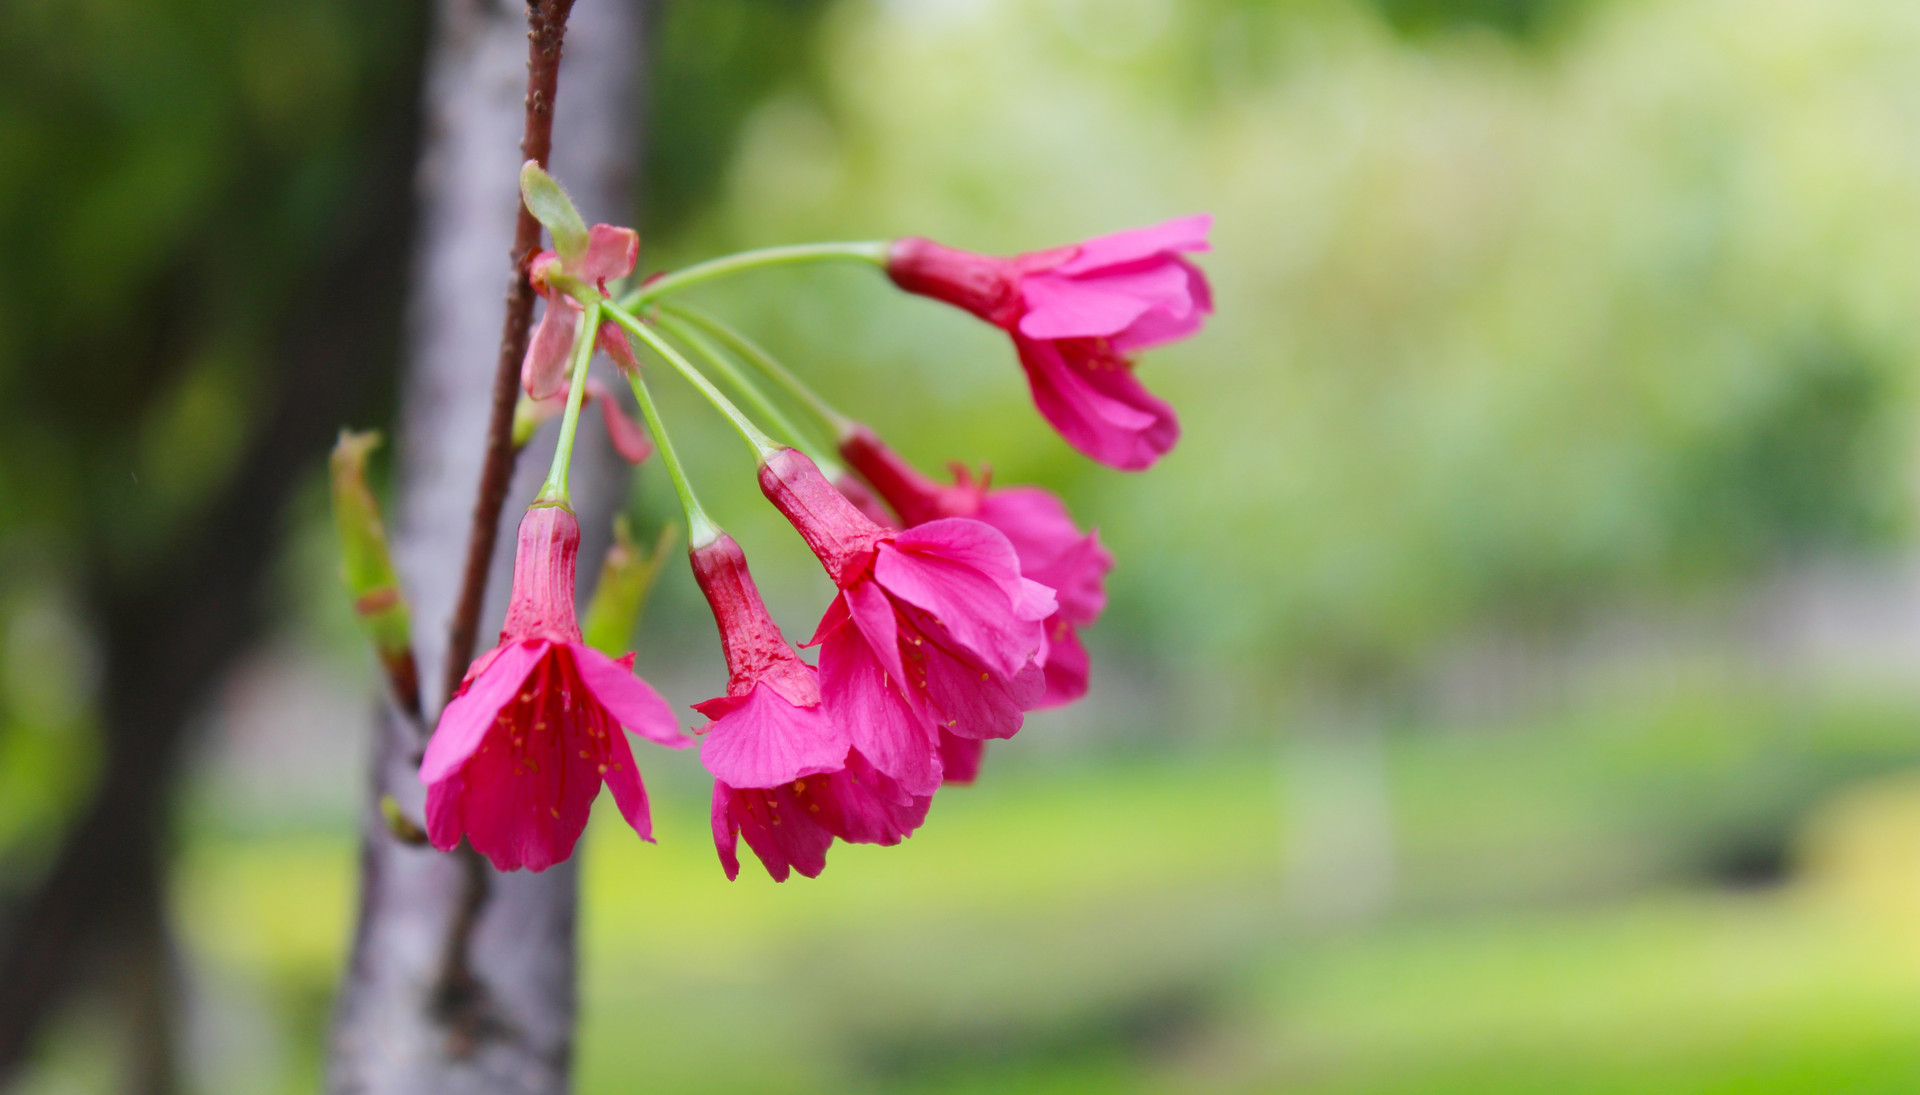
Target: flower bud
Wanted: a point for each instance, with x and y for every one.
(626, 576)
(367, 567)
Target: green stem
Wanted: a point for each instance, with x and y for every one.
(837, 424)
(701, 530)
(747, 389)
(555, 489)
(763, 446)
(874, 251)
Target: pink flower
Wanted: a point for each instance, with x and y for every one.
(523, 746)
(785, 775)
(1076, 314)
(628, 439)
(611, 253)
(1051, 549)
(934, 626)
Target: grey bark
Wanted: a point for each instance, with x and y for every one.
(393, 1034)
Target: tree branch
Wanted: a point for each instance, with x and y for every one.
(547, 29)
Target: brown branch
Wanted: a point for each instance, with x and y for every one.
(547, 28)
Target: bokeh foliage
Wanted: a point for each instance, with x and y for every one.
(173, 180)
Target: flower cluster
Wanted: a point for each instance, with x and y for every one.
(958, 606)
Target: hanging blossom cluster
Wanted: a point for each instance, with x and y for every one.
(958, 605)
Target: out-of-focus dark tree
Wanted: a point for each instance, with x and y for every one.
(205, 205)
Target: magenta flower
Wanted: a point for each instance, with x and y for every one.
(785, 774)
(934, 626)
(1051, 549)
(1076, 314)
(611, 253)
(523, 746)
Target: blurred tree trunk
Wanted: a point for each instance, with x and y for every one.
(402, 1026)
(168, 631)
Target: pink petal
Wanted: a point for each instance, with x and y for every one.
(872, 613)
(614, 342)
(611, 253)
(1033, 520)
(960, 757)
(1067, 667)
(1170, 321)
(967, 542)
(1077, 577)
(1098, 406)
(1180, 234)
(726, 839)
(896, 735)
(631, 701)
(465, 720)
(966, 605)
(871, 807)
(443, 812)
(761, 740)
(1104, 304)
(623, 779)
(633, 445)
(544, 370)
(780, 830)
(976, 704)
(528, 810)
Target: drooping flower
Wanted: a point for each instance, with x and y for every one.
(785, 774)
(522, 747)
(934, 626)
(625, 434)
(610, 253)
(1051, 548)
(1076, 315)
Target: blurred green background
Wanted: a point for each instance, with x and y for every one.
(1509, 683)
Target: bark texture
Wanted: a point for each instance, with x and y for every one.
(506, 1023)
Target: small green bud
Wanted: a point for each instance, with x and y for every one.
(403, 828)
(625, 578)
(547, 200)
(366, 565)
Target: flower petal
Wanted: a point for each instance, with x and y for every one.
(611, 253)
(1104, 304)
(761, 740)
(1067, 667)
(623, 779)
(465, 720)
(968, 604)
(872, 613)
(629, 441)
(726, 834)
(544, 370)
(1097, 405)
(960, 757)
(631, 701)
(613, 341)
(896, 734)
(972, 703)
(871, 807)
(1172, 320)
(1187, 233)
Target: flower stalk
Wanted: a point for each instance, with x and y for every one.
(768, 366)
(873, 251)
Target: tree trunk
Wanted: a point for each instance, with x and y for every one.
(410, 1021)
